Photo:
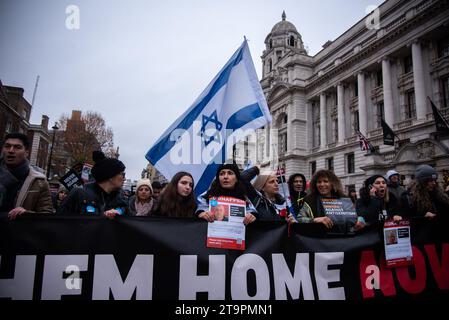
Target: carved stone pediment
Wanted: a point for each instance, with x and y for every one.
(425, 150)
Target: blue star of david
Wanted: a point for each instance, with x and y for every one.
(213, 118)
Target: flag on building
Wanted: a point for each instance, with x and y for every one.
(364, 143)
(202, 138)
(440, 121)
(388, 134)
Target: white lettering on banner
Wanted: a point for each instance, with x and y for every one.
(190, 282)
(107, 278)
(239, 283)
(53, 283)
(324, 276)
(284, 280)
(21, 286)
(138, 281)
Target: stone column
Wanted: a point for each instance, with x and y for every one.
(341, 113)
(363, 120)
(323, 121)
(388, 93)
(418, 78)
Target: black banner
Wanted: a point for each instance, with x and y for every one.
(388, 134)
(440, 122)
(93, 258)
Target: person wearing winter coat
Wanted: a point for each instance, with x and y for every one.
(102, 197)
(425, 197)
(23, 190)
(178, 197)
(264, 194)
(297, 186)
(142, 202)
(376, 203)
(227, 183)
(324, 184)
(394, 185)
(59, 197)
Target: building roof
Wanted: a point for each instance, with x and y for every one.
(283, 26)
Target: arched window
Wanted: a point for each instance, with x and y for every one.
(271, 43)
(270, 65)
(291, 41)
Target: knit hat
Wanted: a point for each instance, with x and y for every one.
(372, 179)
(391, 173)
(105, 168)
(425, 173)
(262, 178)
(229, 166)
(62, 189)
(144, 182)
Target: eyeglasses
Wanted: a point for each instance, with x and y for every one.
(122, 174)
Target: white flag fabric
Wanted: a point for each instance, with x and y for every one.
(202, 138)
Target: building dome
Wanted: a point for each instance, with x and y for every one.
(283, 26)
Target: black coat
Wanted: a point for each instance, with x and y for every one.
(266, 209)
(409, 208)
(91, 199)
(371, 208)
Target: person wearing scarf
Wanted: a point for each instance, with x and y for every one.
(22, 188)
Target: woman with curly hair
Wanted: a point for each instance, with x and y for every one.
(324, 184)
(178, 198)
(425, 197)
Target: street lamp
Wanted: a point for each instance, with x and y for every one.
(55, 127)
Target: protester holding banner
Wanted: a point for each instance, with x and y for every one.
(178, 198)
(227, 183)
(425, 197)
(376, 203)
(264, 194)
(324, 184)
(102, 197)
(142, 202)
(22, 189)
(297, 185)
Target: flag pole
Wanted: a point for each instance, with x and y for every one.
(287, 200)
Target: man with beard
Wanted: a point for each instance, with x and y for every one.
(22, 189)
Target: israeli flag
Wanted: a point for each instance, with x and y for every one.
(231, 107)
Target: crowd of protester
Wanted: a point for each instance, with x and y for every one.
(24, 190)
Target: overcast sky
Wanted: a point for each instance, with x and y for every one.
(142, 63)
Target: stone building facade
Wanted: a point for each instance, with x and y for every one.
(385, 66)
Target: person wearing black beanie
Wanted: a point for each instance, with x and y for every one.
(376, 203)
(102, 197)
(227, 183)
